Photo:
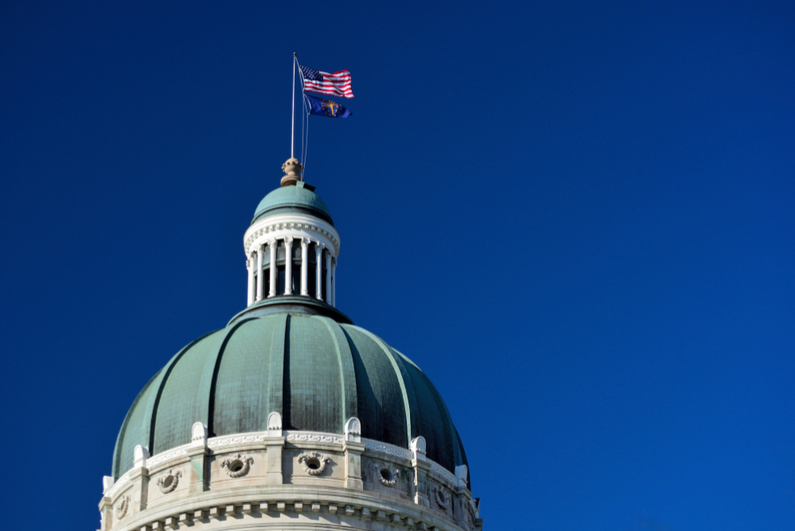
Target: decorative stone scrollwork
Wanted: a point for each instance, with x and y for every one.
(314, 463)
(441, 497)
(169, 483)
(314, 437)
(121, 508)
(388, 476)
(237, 466)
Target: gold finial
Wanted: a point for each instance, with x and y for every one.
(292, 172)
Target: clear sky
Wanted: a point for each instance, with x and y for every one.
(576, 217)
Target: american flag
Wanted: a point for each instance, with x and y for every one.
(336, 84)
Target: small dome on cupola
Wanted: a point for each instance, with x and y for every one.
(294, 195)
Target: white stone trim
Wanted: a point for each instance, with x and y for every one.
(388, 449)
(162, 457)
(120, 485)
(240, 438)
(281, 226)
(323, 504)
(443, 472)
(313, 436)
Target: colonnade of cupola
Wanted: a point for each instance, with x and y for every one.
(304, 266)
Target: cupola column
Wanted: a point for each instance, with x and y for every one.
(334, 282)
(260, 280)
(250, 269)
(319, 271)
(273, 245)
(328, 278)
(288, 265)
(304, 267)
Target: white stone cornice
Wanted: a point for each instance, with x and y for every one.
(241, 438)
(443, 472)
(247, 507)
(384, 448)
(118, 486)
(297, 226)
(167, 456)
(311, 436)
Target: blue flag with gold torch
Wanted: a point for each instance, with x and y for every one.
(330, 108)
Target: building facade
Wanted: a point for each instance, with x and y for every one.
(290, 417)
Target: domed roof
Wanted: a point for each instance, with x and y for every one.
(298, 198)
(316, 372)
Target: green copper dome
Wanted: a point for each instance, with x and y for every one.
(315, 371)
(299, 198)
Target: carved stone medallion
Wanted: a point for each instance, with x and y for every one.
(314, 463)
(121, 508)
(169, 483)
(441, 497)
(387, 475)
(237, 466)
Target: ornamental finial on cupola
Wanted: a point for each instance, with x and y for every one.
(292, 172)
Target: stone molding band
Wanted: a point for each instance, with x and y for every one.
(280, 505)
(294, 225)
(217, 444)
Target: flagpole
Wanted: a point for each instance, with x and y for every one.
(292, 132)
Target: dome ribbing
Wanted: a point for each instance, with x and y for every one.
(313, 370)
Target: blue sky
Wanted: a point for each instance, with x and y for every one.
(576, 217)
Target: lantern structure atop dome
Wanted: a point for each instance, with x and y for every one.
(291, 246)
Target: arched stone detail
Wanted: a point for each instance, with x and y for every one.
(275, 422)
(353, 430)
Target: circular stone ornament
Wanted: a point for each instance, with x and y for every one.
(314, 463)
(386, 475)
(441, 497)
(121, 508)
(237, 466)
(169, 483)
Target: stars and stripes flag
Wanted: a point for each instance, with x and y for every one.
(336, 84)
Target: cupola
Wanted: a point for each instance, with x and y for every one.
(292, 247)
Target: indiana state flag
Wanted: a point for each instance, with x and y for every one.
(329, 108)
